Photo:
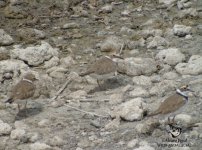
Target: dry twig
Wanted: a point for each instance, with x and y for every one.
(86, 112)
(62, 88)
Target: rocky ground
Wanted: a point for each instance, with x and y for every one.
(161, 43)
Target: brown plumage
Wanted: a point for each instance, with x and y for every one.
(104, 65)
(24, 89)
(172, 103)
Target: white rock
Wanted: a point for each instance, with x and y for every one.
(44, 123)
(39, 146)
(17, 134)
(56, 141)
(106, 9)
(171, 56)
(33, 137)
(54, 61)
(131, 110)
(67, 62)
(57, 72)
(167, 2)
(181, 30)
(162, 87)
(126, 31)
(157, 41)
(148, 127)
(193, 67)
(138, 92)
(111, 44)
(15, 66)
(5, 39)
(188, 12)
(183, 118)
(132, 143)
(170, 75)
(142, 80)
(146, 147)
(116, 98)
(137, 66)
(35, 55)
(71, 25)
(20, 125)
(5, 128)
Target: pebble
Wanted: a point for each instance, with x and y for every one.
(39, 146)
(181, 30)
(18, 134)
(44, 123)
(5, 39)
(5, 128)
(132, 143)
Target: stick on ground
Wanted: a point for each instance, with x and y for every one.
(86, 112)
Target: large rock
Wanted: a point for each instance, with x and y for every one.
(4, 128)
(167, 2)
(171, 56)
(14, 66)
(131, 110)
(5, 39)
(35, 55)
(137, 66)
(39, 146)
(181, 30)
(193, 67)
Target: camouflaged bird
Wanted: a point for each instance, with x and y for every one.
(23, 90)
(173, 103)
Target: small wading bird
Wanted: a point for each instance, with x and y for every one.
(174, 102)
(23, 90)
(103, 66)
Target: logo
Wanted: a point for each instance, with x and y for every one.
(174, 130)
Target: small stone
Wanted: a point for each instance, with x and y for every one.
(116, 98)
(132, 143)
(184, 119)
(71, 25)
(39, 146)
(67, 62)
(148, 127)
(170, 75)
(171, 56)
(33, 137)
(44, 123)
(181, 30)
(131, 110)
(138, 92)
(20, 125)
(106, 9)
(142, 80)
(56, 141)
(157, 41)
(78, 148)
(54, 61)
(5, 39)
(18, 134)
(84, 143)
(111, 44)
(5, 128)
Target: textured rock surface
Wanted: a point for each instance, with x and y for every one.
(5, 39)
(35, 55)
(193, 66)
(171, 56)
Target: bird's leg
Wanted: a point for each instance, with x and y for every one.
(98, 82)
(18, 108)
(25, 105)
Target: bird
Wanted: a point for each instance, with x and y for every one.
(23, 90)
(103, 66)
(173, 102)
